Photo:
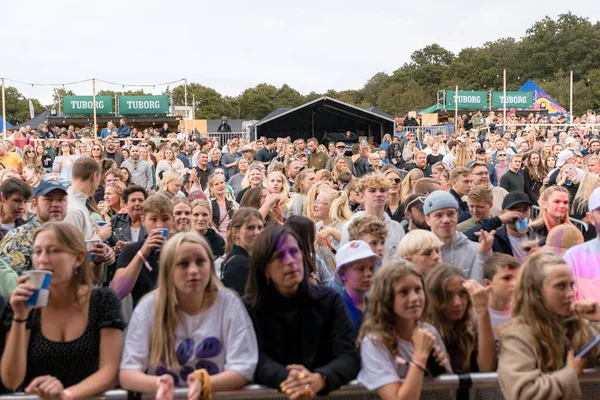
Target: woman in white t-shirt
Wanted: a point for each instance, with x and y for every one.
(188, 327)
(395, 346)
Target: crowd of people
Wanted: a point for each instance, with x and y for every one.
(178, 261)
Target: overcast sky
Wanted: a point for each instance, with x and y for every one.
(231, 45)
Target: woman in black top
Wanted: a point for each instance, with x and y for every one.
(71, 348)
(201, 224)
(304, 333)
(244, 227)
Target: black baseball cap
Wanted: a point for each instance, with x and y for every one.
(480, 151)
(514, 198)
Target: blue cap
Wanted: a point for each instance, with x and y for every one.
(46, 187)
(437, 200)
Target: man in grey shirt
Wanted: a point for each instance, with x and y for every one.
(230, 159)
(140, 170)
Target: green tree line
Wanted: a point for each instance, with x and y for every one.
(548, 51)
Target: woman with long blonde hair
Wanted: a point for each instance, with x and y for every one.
(537, 359)
(590, 181)
(190, 327)
(462, 156)
(71, 347)
(452, 298)
(29, 157)
(394, 341)
(554, 210)
(339, 165)
(408, 183)
(331, 210)
(311, 198)
(277, 184)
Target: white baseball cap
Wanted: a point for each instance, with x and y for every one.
(594, 201)
(563, 157)
(350, 252)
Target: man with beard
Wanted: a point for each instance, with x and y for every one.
(110, 151)
(140, 170)
(420, 163)
(128, 227)
(50, 204)
(413, 213)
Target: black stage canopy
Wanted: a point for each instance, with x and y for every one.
(321, 118)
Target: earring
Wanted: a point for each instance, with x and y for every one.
(268, 281)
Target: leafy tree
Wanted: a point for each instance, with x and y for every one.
(399, 98)
(17, 106)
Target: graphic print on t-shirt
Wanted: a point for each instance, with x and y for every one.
(192, 358)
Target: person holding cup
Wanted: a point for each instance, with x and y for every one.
(137, 265)
(65, 335)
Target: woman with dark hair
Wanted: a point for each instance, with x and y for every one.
(260, 199)
(304, 333)
(126, 176)
(305, 229)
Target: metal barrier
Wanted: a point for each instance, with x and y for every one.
(582, 226)
(447, 129)
(481, 386)
(223, 137)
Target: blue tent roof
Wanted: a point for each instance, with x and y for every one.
(542, 100)
(2, 125)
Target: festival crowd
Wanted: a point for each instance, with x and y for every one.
(179, 261)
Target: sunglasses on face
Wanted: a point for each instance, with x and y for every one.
(395, 180)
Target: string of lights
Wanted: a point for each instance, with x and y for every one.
(123, 85)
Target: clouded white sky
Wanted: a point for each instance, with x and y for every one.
(231, 45)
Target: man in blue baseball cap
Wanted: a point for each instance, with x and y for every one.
(50, 204)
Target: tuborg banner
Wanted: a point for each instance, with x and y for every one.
(85, 105)
(476, 99)
(513, 99)
(144, 104)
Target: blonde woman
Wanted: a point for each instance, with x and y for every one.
(169, 164)
(311, 198)
(29, 157)
(277, 184)
(304, 181)
(393, 206)
(409, 182)
(462, 156)
(255, 177)
(113, 200)
(144, 155)
(554, 210)
(170, 186)
(590, 181)
(190, 327)
(71, 348)
(408, 154)
(222, 207)
(339, 165)
(331, 211)
(537, 360)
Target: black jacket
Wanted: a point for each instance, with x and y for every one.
(463, 208)
(116, 156)
(311, 329)
(121, 230)
(501, 242)
(216, 212)
(216, 243)
(235, 269)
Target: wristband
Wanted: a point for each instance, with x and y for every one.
(411, 362)
(20, 320)
(139, 253)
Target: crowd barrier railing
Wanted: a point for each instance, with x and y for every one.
(479, 386)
